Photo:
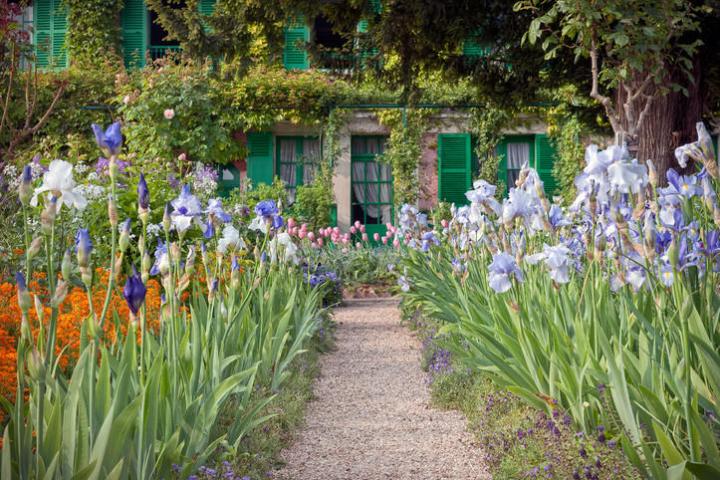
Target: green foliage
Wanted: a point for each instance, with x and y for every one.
(314, 202)
(570, 126)
(404, 149)
(486, 126)
(442, 211)
(250, 195)
(93, 36)
(67, 131)
(197, 127)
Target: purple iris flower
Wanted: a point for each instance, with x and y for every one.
(556, 217)
(712, 242)
(143, 193)
(662, 241)
(235, 264)
(684, 185)
(20, 280)
(83, 246)
(110, 139)
(501, 270)
(134, 292)
(277, 222)
(27, 175)
(266, 208)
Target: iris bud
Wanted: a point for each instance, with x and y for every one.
(673, 253)
(112, 212)
(34, 249)
(48, 215)
(25, 188)
(61, 291)
(35, 365)
(167, 221)
(23, 295)
(66, 265)
(124, 235)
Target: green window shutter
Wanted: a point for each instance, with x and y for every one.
(295, 57)
(50, 22)
(60, 26)
(206, 7)
(454, 171)
(42, 11)
(472, 47)
(260, 158)
(545, 155)
(134, 21)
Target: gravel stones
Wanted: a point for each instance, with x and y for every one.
(371, 417)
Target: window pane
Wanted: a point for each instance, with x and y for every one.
(518, 155)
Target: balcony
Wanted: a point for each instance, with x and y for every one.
(161, 51)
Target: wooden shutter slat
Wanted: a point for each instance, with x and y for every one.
(295, 57)
(545, 155)
(260, 165)
(134, 33)
(454, 171)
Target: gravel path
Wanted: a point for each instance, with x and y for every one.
(371, 418)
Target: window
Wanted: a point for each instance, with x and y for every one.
(325, 36)
(159, 44)
(518, 154)
(372, 184)
(298, 159)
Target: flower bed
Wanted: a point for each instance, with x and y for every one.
(606, 310)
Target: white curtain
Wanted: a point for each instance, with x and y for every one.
(311, 154)
(518, 154)
(287, 166)
(385, 193)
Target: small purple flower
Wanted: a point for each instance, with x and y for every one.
(110, 139)
(134, 292)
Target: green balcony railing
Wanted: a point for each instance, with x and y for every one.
(160, 51)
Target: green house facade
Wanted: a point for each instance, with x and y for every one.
(363, 184)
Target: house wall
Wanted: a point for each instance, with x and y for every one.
(366, 123)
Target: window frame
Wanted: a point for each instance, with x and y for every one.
(366, 159)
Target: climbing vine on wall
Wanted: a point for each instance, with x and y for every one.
(570, 127)
(93, 31)
(486, 126)
(404, 149)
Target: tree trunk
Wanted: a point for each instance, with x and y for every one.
(670, 121)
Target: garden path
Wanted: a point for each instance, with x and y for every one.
(371, 417)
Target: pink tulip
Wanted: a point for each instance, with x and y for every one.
(320, 242)
(303, 226)
(358, 245)
(376, 237)
(362, 228)
(384, 240)
(444, 223)
(364, 237)
(353, 230)
(396, 242)
(302, 234)
(345, 241)
(357, 224)
(291, 222)
(311, 236)
(336, 230)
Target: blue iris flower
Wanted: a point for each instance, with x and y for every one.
(110, 139)
(501, 270)
(134, 292)
(266, 208)
(143, 193)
